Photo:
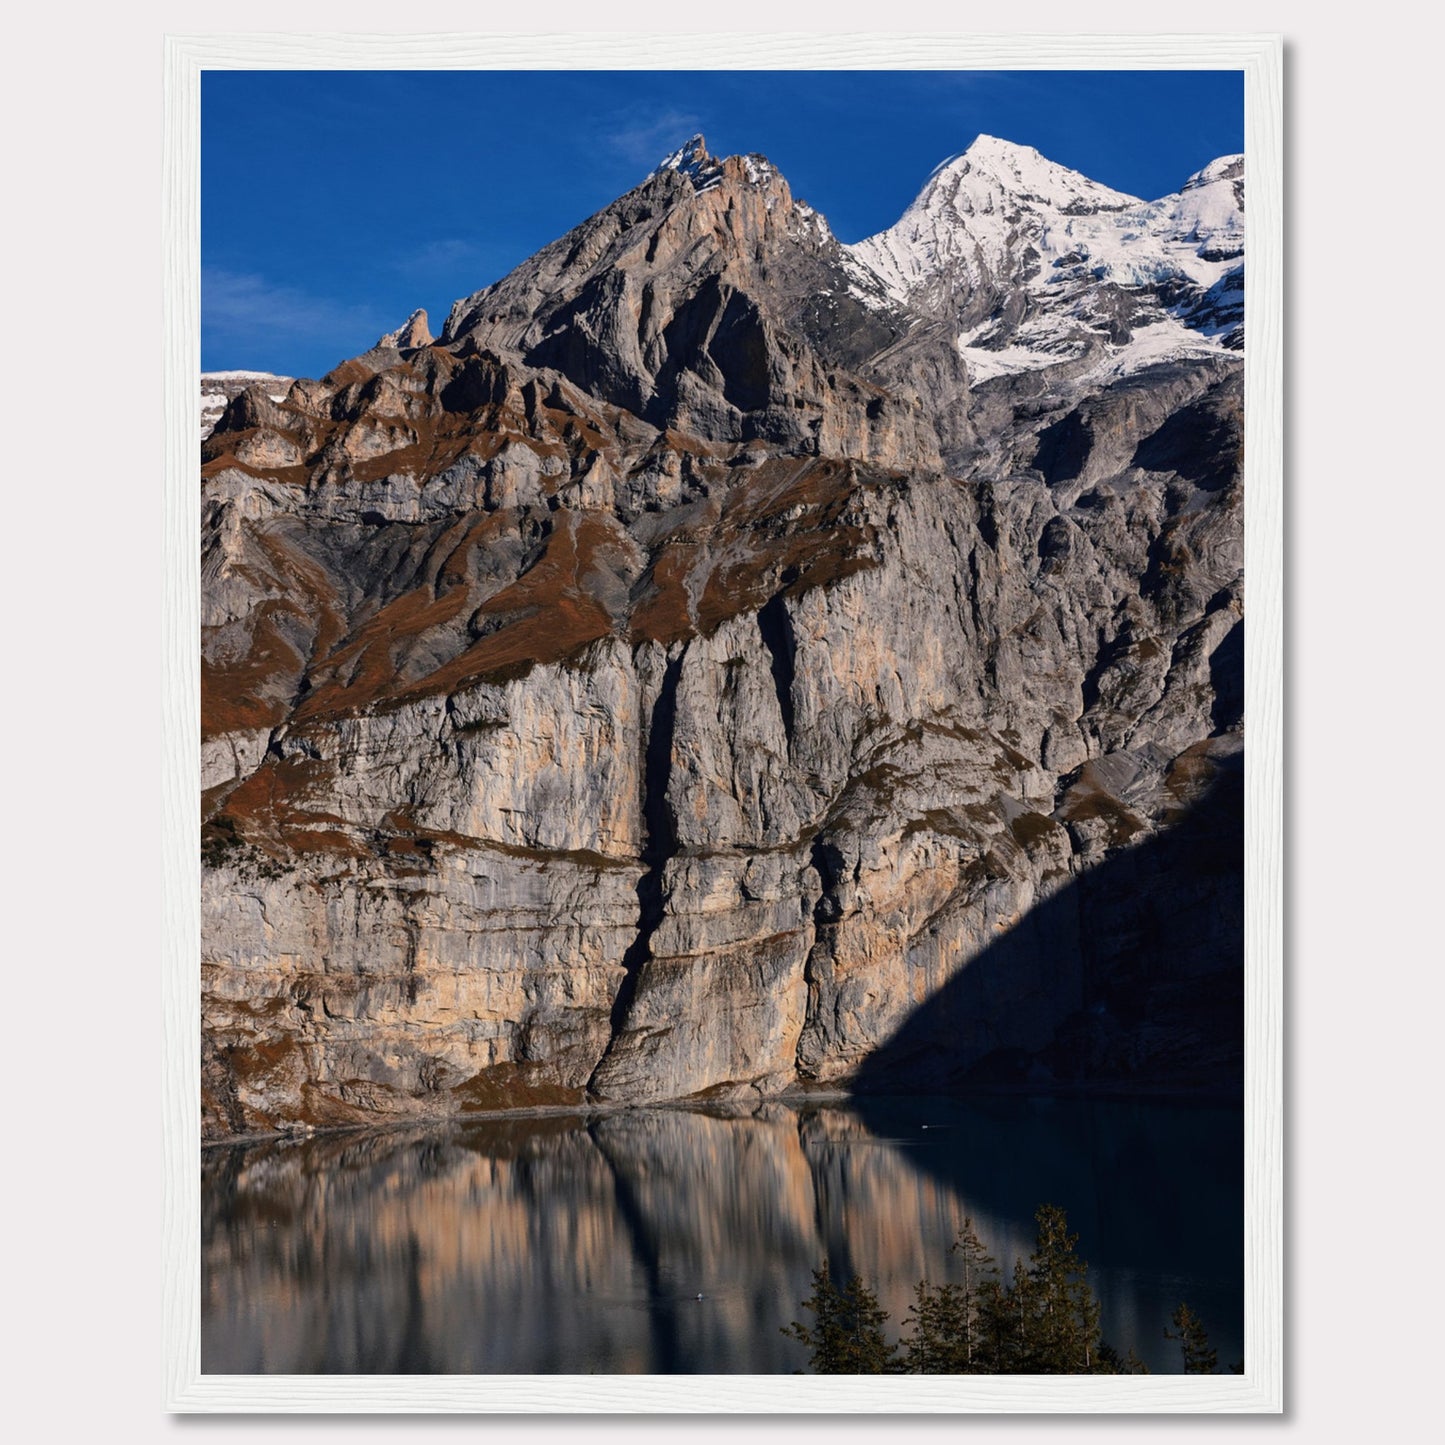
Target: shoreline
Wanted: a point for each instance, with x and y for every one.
(737, 1106)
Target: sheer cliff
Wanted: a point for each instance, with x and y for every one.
(724, 661)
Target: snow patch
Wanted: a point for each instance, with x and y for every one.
(811, 224)
(1166, 340)
(689, 158)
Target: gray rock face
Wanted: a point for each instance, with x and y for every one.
(675, 681)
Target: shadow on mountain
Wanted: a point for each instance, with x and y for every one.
(1200, 442)
(1152, 958)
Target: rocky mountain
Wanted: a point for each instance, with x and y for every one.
(696, 673)
(219, 388)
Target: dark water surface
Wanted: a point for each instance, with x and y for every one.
(576, 1245)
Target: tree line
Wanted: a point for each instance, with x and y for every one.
(1042, 1320)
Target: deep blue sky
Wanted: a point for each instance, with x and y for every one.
(334, 202)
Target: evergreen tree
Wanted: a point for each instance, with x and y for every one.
(1044, 1321)
(1009, 1324)
(1064, 1336)
(947, 1336)
(846, 1336)
(938, 1317)
(1199, 1358)
(978, 1270)
(994, 1332)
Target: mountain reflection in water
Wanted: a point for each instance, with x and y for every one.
(580, 1245)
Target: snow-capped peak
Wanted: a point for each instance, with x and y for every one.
(984, 218)
(985, 145)
(1019, 251)
(1224, 168)
(991, 165)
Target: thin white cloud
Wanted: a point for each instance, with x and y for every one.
(644, 139)
(446, 251)
(252, 316)
(445, 254)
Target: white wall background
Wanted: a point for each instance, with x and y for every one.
(80, 499)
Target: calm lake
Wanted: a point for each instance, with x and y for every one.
(580, 1244)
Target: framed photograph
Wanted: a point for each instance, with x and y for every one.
(712, 859)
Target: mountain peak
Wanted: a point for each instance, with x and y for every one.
(1222, 168)
(690, 159)
(995, 147)
(1021, 171)
(1001, 232)
(707, 172)
(413, 332)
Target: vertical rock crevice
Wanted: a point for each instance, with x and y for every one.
(775, 627)
(813, 1039)
(660, 845)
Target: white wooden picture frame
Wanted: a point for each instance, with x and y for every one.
(1260, 1388)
